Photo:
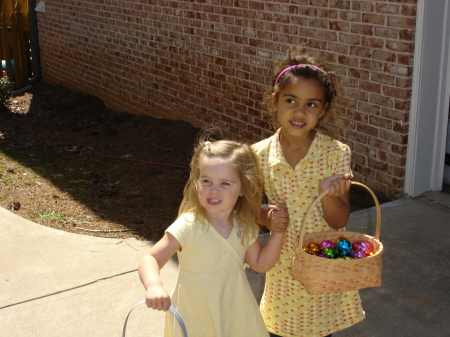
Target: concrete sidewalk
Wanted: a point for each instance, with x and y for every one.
(54, 283)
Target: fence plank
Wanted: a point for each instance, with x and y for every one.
(15, 51)
(22, 44)
(6, 47)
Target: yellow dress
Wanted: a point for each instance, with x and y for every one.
(287, 308)
(212, 293)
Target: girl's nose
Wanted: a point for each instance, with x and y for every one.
(214, 188)
(300, 110)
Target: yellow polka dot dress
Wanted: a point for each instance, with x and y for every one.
(287, 308)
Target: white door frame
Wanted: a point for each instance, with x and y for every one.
(430, 99)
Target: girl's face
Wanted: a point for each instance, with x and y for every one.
(300, 105)
(219, 186)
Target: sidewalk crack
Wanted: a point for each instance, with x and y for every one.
(69, 289)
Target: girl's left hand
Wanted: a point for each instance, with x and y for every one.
(339, 184)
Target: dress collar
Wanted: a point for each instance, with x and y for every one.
(276, 155)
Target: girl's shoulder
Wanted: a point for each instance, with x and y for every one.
(185, 220)
(186, 227)
(328, 142)
(263, 145)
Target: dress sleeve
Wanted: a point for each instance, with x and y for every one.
(181, 229)
(251, 240)
(340, 163)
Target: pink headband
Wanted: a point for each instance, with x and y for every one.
(303, 65)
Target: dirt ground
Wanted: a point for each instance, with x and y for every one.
(68, 162)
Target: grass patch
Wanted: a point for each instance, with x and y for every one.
(4, 177)
(77, 191)
(48, 215)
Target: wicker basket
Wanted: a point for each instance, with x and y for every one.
(323, 276)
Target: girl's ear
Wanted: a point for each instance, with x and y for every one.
(324, 110)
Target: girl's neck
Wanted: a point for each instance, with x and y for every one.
(296, 148)
(223, 224)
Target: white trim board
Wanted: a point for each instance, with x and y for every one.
(430, 99)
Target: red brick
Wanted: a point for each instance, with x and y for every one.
(364, 6)
(386, 32)
(377, 165)
(368, 130)
(387, 8)
(381, 122)
(372, 42)
(374, 19)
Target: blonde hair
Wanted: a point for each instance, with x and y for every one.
(242, 157)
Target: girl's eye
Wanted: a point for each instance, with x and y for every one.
(290, 100)
(205, 181)
(312, 105)
(225, 183)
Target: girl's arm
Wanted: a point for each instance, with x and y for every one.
(150, 264)
(262, 258)
(336, 204)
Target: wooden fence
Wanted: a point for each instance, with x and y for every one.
(15, 46)
(9, 6)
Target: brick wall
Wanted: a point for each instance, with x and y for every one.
(207, 62)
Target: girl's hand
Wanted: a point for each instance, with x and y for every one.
(339, 184)
(278, 218)
(156, 297)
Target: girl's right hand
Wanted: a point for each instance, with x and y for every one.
(278, 217)
(156, 297)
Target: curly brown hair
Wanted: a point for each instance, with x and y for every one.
(296, 55)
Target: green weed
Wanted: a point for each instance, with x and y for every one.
(48, 215)
(77, 191)
(4, 177)
(6, 89)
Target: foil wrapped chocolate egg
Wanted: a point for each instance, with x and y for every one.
(340, 239)
(313, 248)
(358, 254)
(327, 244)
(362, 246)
(344, 248)
(331, 253)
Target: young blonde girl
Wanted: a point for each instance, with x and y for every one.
(215, 230)
(298, 162)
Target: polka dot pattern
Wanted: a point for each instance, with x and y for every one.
(288, 309)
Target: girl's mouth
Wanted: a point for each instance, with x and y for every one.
(213, 201)
(297, 124)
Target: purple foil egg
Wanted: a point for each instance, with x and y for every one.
(358, 254)
(327, 244)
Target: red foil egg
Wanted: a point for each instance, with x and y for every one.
(362, 246)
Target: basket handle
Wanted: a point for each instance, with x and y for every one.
(321, 195)
(172, 309)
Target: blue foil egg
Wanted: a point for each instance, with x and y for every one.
(344, 248)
